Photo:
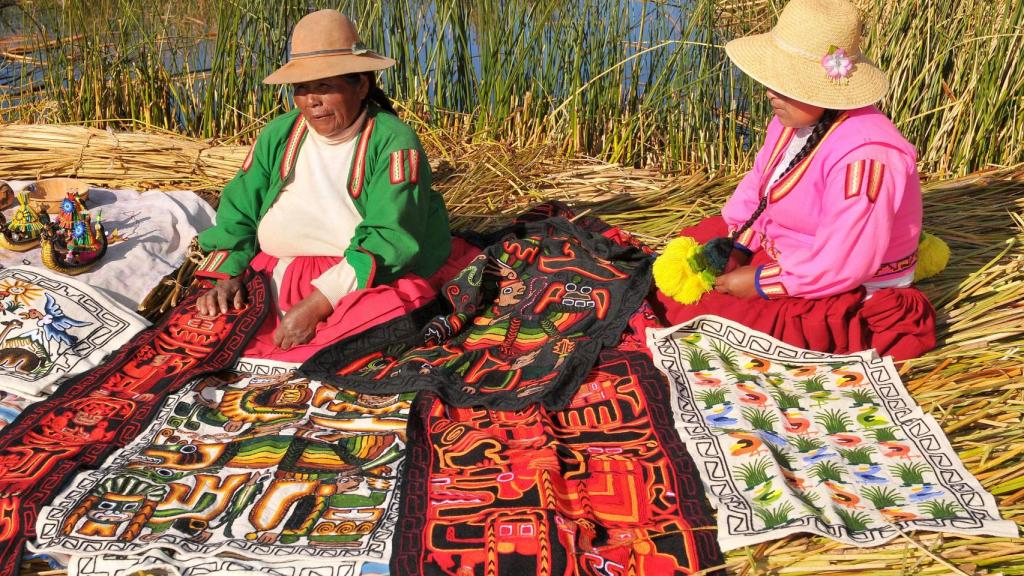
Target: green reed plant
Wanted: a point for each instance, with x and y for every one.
(634, 82)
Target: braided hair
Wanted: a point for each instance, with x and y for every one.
(817, 134)
(718, 250)
(375, 94)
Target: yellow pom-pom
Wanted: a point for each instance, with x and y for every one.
(676, 273)
(932, 256)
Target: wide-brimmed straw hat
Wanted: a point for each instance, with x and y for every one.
(813, 55)
(324, 44)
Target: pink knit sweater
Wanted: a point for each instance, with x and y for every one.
(849, 214)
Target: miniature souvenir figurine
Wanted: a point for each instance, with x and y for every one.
(25, 227)
(73, 243)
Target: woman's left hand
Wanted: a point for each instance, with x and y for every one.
(738, 283)
(299, 324)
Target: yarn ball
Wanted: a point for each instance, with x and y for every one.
(680, 272)
(932, 256)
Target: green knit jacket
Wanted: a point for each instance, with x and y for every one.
(405, 223)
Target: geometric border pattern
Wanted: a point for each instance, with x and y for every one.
(736, 516)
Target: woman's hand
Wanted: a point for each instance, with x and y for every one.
(738, 283)
(217, 299)
(737, 258)
(299, 323)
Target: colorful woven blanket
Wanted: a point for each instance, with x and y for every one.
(527, 320)
(281, 473)
(601, 487)
(790, 441)
(94, 413)
(53, 327)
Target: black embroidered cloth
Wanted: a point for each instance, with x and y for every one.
(525, 322)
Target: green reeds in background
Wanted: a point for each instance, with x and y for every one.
(631, 82)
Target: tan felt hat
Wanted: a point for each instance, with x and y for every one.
(813, 55)
(324, 44)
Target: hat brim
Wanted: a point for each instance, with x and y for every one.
(317, 67)
(805, 80)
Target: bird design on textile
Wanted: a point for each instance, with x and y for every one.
(751, 395)
(772, 438)
(846, 439)
(719, 416)
(894, 514)
(758, 364)
(746, 443)
(703, 379)
(796, 422)
(54, 323)
(819, 454)
(868, 419)
(765, 496)
(896, 450)
(924, 492)
(841, 496)
(848, 379)
(868, 473)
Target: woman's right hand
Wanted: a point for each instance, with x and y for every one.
(216, 300)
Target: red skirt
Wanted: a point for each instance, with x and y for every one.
(355, 312)
(897, 322)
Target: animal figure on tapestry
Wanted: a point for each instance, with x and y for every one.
(54, 323)
(22, 353)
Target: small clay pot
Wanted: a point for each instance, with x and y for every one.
(50, 192)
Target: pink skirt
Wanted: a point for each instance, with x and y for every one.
(897, 322)
(356, 311)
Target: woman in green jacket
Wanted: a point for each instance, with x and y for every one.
(334, 203)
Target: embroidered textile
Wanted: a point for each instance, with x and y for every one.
(53, 327)
(254, 462)
(528, 319)
(93, 413)
(788, 441)
(602, 487)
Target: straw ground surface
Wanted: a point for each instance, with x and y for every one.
(973, 383)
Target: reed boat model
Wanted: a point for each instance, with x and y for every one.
(73, 243)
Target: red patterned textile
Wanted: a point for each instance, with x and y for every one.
(604, 486)
(103, 409)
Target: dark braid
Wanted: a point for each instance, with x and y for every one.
(717, 250)
(375, 94)
(819, 131)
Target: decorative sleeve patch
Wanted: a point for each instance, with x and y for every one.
(208, 267)
(767, 284)
(405, 166)
(398, 166)
(866, 175)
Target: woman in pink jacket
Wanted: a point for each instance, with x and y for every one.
(825, 228)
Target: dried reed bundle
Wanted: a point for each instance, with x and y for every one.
(116, 159)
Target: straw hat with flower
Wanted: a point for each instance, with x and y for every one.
(325, 44)
(813, 55)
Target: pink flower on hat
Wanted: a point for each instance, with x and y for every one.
(837, 64)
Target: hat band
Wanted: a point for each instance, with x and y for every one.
(295, 55)
(797, 51)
